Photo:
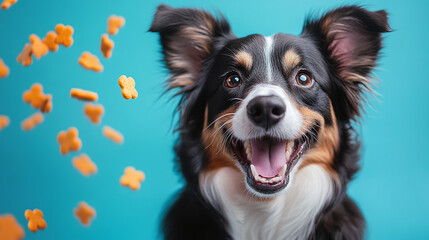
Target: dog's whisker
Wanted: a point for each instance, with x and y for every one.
(214, 121)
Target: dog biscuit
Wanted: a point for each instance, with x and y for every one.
(4, 69)
(94, 112)
(32, 121)
(25, 56)
(35, 220)
(114, 23)
(64, 35)
(49, 41)
(10, 229)
(4, 121)
(83, 95)
(69, 141)
(132, 178)
(106, 46)
(84, 213)
(113, 134)
(7, 4)
(38, 48)
(84, 164)
(37, 98)
(128, 87)
(91, 62)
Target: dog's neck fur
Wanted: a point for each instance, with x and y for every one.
(290, 215)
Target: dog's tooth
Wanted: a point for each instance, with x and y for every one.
(248, 149)
(283, 170)
(289, 148)
(291, 145)
(254, 172)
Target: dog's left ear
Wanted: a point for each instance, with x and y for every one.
(351, 38)
(187, 38)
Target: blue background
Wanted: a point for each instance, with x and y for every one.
(391, 189)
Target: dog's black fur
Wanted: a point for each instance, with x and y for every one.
(193, 41)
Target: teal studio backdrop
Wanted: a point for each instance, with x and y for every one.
(391, 189)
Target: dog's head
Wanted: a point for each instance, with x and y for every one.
(267, 105)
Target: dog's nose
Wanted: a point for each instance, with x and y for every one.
(266, 111)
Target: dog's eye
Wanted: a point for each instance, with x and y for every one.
(303, 79)
(233, 81)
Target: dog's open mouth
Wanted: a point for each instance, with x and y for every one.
(268, 161)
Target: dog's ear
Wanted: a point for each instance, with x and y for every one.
(351, 38)
(187, 37)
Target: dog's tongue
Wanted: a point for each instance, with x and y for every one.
(268, 156)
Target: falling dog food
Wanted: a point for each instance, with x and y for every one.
(106, 46)
(114, 23)
(94, 112)
(37, 98)
(84, 165)
(83, 95)
(69, 141)
(7, 3)
(38, 48)
(64, 35)
(132, 178)
(84, 213)
(32, 121)
(90, 62)
(113, 134)
(4, 121)
(35, 220)
(4, 69)
(49, 41)
(128, 87)
(25, 56)
(10, 229)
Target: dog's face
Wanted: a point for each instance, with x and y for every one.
(267, 105)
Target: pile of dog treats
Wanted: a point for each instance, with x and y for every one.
(68, 140)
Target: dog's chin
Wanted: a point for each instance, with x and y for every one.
(268, 162)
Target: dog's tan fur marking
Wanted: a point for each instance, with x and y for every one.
(291, 59)
(214, 142)
(244, 59)
(324, 149)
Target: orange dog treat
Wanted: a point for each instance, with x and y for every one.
(4, 70)
(37, 98)
(106, 46)
(128, 87)
(32, 121)
(132, 178)
(7, 4)
(4, 121)
(25, 56)
(94, 112)
(84, 213)
(91, 62)
(84, 164)
(113, 134)
(64, 35)
(47, 104)
(83, 95)
(35, 220)
(114, 23)
(38, 48)
(69, 141)
(49, 41)
(10, 229)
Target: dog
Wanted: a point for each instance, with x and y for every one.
(266, 141)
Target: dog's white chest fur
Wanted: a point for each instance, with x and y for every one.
(290, 215)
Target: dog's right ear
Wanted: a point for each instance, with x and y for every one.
(187, 37)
